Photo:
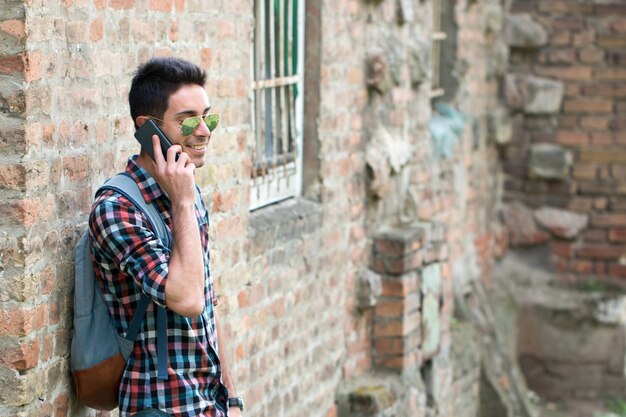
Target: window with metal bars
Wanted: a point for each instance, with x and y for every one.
(438, 36)
(278, 89)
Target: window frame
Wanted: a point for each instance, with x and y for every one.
(438, 36)
(282, 178)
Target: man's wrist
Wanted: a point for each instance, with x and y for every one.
(235, 402)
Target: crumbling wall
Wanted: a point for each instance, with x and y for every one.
(354, 279)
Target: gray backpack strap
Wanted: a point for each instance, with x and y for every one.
(124, 184)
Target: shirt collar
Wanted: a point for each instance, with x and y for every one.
(147, 185)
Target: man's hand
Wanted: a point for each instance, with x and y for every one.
(235, 412)
(174, 176)
(184, 291)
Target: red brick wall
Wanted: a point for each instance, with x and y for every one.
(286, 276)
(586, 50)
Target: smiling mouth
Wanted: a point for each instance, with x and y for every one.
(198, 147)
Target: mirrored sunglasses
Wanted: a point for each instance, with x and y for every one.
(190, 124)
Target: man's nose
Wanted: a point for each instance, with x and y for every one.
(203, 129)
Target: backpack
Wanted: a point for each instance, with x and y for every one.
(98, 354)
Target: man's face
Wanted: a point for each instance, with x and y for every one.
(190, 100)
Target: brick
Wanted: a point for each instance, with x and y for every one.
(595, 235)
(13, 177)
(22, 358)
(397, 307)
(612, 42)
(172, 32)
(32, 66)
(122, 4)
(13, 27)
(611, 74)
(617, 269)
(604, 90)
(96, 30)
(77, 32)
(399, 288)
(568, 122)
(398, 362)
(618, 172)
(595, 122)
(603, 156)
(584, 38)
(62, 405)
(581, 267)
(225, 29)
(567, 73)
(569, 23)
(610, 10)
(572, 138)
(600, 251)
(161, 5)
(561, 56)
(26, 211)
(617, 235)
(76, 168)
(590, 55)
(563, 249)
(389, 346)
(619, 25)
(602, 138)
(278, 307)
(11, 64)
(587, 106)
(608, 220)
(17, 321)
(561, 6)
(560, 38)
(584, 171)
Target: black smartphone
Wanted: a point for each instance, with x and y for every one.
(144, 136)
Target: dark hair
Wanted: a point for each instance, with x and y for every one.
(156, 80)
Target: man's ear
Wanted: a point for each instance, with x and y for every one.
(140, 120)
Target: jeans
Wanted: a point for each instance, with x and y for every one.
(151, 412)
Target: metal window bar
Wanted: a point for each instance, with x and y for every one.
(437, 37)
(275, 87)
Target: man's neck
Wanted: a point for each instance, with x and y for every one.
(145, 162)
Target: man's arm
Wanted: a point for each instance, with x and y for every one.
(184, 290)
(226, 377)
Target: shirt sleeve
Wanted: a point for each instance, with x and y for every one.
(121, 233)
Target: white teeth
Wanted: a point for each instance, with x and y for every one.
(197, 147)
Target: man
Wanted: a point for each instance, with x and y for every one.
(132, 260)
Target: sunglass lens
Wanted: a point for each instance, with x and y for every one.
(211, 121)
(190, 125)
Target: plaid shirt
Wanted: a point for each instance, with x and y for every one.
(131, 259)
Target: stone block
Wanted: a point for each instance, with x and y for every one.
(561, 223)
(419, 60)
(370, 400)
(431, 325)
(431, 279)
(521, 31)
(533, 95)
(521, 225)
(406, 11)
(549, 162)
(500, 126)
(378, 76)
(369, 290)
(400, 250)
(367, 396)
